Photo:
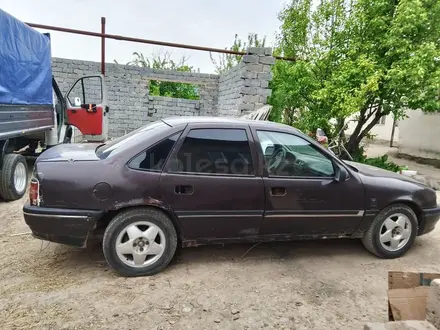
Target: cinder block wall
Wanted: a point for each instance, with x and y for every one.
(242, 89)
(245, 87)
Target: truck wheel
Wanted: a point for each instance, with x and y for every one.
(392, 232)
(139, 242)
(13, 177)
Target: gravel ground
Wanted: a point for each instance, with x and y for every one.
(333, 284)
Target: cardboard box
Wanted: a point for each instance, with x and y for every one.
(408, 295)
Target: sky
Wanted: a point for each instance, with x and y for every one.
(206, 23)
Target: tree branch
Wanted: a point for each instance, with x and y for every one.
(375, 120)
(358, 134)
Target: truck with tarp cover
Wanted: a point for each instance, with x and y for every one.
(34, 115)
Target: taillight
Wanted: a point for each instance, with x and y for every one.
(34, 192)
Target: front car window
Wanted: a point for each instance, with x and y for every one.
(215, 151)
(290, 155)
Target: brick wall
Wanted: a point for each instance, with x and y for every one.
(233, 93)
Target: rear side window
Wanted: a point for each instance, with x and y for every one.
(153, 159)
(215, 151)
(112, 148)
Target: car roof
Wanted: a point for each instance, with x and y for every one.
(174, 121)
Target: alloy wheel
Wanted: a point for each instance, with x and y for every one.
(395, 232)
(140, 244)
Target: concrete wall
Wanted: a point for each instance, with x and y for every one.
(419, 134)
(382, 131)
(236, 92)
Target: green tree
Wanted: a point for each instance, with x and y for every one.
(167, 88)
(227, 61)
(360, 57)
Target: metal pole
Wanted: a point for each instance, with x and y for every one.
(146, 41)
(103, 46)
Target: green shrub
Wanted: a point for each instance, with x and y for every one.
(381, 162)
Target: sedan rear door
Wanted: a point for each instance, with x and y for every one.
(210, 182)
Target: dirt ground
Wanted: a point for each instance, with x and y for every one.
(301, 285)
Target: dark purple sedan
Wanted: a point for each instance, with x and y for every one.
(189, 181)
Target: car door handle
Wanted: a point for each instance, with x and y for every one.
(278, 191)
(183, 190)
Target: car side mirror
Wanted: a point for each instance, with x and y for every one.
(341, 173)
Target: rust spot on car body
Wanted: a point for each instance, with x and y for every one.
(250, 231)
(192, 243)
(140, 202)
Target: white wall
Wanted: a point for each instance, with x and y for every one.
(419, 134)
(382, 131)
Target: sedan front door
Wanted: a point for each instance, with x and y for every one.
(210, 183)
(303, 196)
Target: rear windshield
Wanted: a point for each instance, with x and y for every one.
(113, 147)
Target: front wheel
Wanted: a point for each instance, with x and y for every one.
(392, 232)
(139, 242)
(13, 177)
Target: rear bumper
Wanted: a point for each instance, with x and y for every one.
(430, 217)
(65, 226)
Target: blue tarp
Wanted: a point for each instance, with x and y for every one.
(25, 63)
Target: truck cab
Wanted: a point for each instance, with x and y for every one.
(79, 116)
(34, 114)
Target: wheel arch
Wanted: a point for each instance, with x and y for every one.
(369, 219)
(412, 205)
(105, 219)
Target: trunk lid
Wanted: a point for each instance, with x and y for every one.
(70, 153)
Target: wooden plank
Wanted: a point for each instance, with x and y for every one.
(405, 280)
(408, 304)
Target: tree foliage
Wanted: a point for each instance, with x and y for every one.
(360, 57)
(167, 88)
(227, 61)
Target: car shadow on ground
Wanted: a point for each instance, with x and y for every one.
(93, 254)
(269, 250)
(92, 258)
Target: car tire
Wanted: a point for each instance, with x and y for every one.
(13, 177)
(387, 242)
(134, 228)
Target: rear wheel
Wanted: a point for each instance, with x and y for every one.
(13, 177)
(139, 242)
(392, 233)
